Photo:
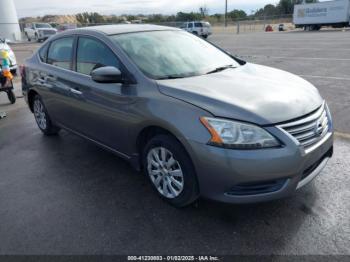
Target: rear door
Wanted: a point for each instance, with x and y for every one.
(53, 78)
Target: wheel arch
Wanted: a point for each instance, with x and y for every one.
(31, 94)
(150, 131)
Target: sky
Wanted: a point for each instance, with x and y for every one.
(118, 7)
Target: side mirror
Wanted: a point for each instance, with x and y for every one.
(107, 74)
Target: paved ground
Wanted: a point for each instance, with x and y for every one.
(61, 195)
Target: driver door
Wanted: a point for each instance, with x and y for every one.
(99, 111)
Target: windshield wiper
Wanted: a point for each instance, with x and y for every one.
(170, 77)
(221, 68)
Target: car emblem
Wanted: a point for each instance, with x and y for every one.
(318, 130)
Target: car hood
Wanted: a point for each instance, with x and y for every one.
(252, 93)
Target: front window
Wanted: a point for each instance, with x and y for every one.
(172, 54)
(43, 26)
(93, 54)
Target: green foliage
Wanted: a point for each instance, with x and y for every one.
(90, 18)
(237, 15)
(283, 7)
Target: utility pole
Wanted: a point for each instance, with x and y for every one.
(225, 13)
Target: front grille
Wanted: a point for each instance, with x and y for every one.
(257, 188)
(310, 129)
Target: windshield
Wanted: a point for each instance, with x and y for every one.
(43, 26)
(206, 24)
(172, 54)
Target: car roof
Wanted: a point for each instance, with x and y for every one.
(127, 28)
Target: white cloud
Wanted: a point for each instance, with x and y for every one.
(40, 7)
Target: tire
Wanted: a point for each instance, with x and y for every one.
(29, 40)
(11, 96)
(42, 118)
(205, 36)
(173, 178)
(195, 33)
(37, 38)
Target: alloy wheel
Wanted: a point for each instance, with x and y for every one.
(40, 115)
(165, 172)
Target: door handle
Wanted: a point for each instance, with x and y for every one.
(75, 91)
(41, 80)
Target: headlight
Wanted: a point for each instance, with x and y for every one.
(238, 135)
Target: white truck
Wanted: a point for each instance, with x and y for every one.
(315, 15)
(199, 28)
(39, 31)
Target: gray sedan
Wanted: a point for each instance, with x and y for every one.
(196, 120)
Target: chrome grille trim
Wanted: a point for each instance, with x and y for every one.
(311, 129)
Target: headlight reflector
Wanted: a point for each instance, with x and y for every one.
(238, 135)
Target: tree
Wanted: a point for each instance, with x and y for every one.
(90, 18)
(181, 16)
(287, 6)
(237, 15)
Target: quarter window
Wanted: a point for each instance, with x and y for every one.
(60, 53)
(93, 54)
(43, 53)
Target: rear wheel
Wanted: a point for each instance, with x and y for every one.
(42, 118)
(170, 170)
(11, 96)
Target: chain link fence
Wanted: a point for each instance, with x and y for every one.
(234, 27)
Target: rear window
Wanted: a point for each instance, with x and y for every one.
(43, 26)
(43, 53)
(60, 53)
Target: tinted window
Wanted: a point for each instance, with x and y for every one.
(43, 26)
(43, 53)
(60, 53)
(93, 54)
(198, 25)
(190, 25)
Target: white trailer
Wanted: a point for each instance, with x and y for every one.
(330, 13)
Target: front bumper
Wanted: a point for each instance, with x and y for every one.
(248, 176)
(46, 35)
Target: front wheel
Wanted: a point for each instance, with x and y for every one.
(37, 38)
(42, 118)
(170, 170)
(29, 39)
(11, 96)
